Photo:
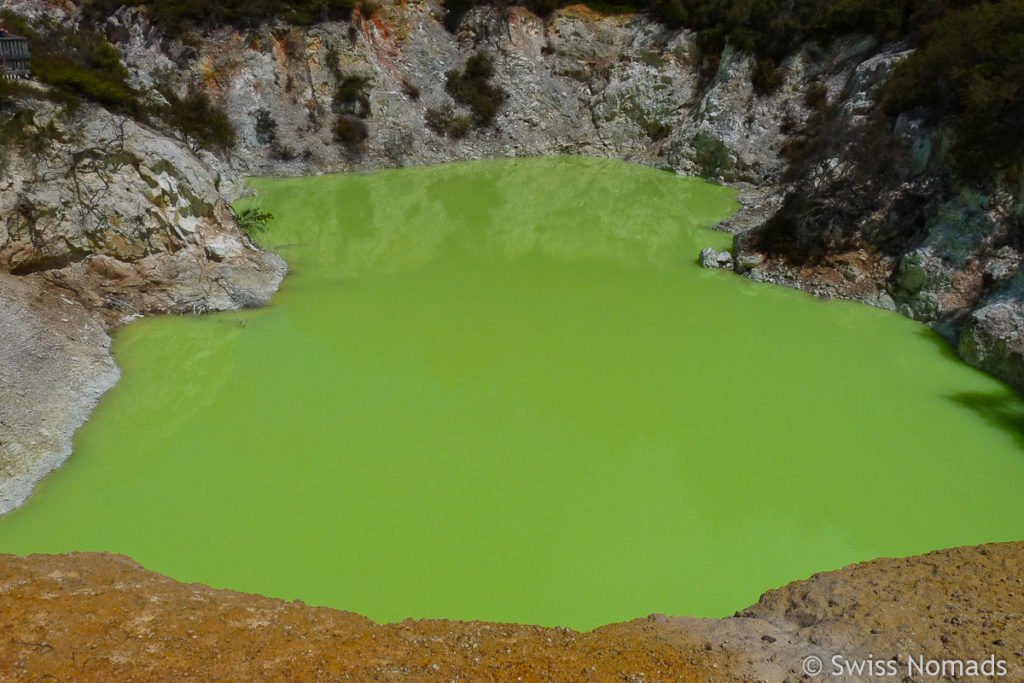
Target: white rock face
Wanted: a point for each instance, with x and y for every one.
(580, 83)
(224, 247)
(125, 217)
(993, 340)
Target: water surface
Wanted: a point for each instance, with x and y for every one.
(505, 391)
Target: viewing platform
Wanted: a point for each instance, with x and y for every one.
(15, 60)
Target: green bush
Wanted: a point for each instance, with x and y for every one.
(266, 126)
(8, 90)
(969, 72)
(252, 221)
(444, 121)
(367, 9)
(410, 89)
(816, 96)
(657, 130)
(712, 156)
(66, 74)
(352, 96)
(472, 87)
(351, 132)
(78, 64)
(200, 123)
(176, 17)
(764, 28)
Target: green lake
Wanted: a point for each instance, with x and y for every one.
(504, 390)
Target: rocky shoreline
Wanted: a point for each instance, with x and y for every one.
(118, 221)
(92, 616)
(55, 367)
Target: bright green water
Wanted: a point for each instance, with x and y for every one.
(504, 391)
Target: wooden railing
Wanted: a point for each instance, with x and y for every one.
(15, 60)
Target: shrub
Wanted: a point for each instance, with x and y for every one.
(201, 124)
(472, 87)
(766, 77)
(8, 88)
(443, 121)
(711, 155)
(333, 62)
(78, 63)
(368, 9)
(282, 152)
(266, 126)
(175, 17)
(107, 60)
(657, 130)
(289, 42)
(72, 77)
(816, 96)
(13, 125)
(410, 89)
(969, 71)
(352, 96)
(351, 132)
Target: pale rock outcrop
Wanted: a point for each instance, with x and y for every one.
(578, 82)
(125, 218)
(54, 366)
(993, 339)
(709, 258)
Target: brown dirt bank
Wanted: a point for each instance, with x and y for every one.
(92, 616)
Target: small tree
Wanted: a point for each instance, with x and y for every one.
(252, 221)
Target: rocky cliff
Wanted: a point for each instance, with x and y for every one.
(102, 219)
(128, 215)
(123, 217)
(577, 83)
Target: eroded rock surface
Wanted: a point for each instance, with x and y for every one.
(578, 82)
(124, 218)
(88, 616)
(54, 366)
(993, 339)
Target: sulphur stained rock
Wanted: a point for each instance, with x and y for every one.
(945, 606)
